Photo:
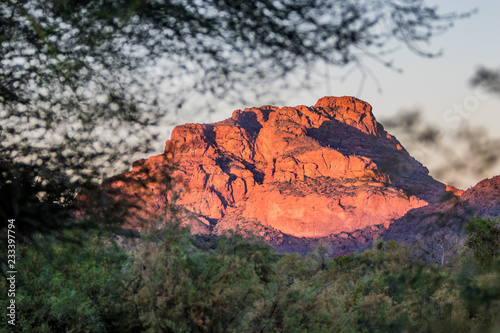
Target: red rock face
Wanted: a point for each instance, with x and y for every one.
(302, 171)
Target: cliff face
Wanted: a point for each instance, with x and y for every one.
(299, 171)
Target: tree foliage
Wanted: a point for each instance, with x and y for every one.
(483, 237)
(77, 78)
(70, 286)
(175, 283)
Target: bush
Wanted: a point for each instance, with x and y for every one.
(170, 285)
(483, 238)
(70, 286)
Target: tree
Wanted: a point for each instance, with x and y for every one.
(483, 238)
(79, 80)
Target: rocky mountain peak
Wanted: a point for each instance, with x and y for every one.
(300, 171)
(351, 111)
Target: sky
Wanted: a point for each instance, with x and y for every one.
(438, 87)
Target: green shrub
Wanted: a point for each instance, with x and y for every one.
(70, 286)
(87, 284)
(483, 238)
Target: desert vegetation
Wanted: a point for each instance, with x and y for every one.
(167, 280)
(87, 85)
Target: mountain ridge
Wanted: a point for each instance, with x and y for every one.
(300, 171)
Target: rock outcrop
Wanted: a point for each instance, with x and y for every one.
(299, 171)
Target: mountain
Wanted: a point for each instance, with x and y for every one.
(285, 173)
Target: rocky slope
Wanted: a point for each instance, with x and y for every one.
(437, 231)
(440, 227)
(285, 173)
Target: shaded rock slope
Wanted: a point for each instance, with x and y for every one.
(291, 174)
(437, 226)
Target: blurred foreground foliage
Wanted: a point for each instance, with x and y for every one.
(170, 281)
